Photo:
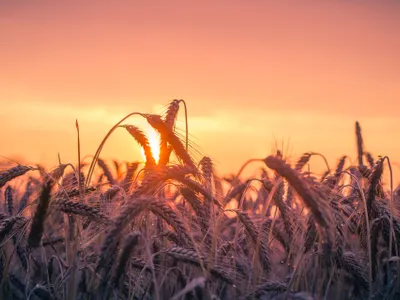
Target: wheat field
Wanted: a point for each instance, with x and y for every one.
(171, 228)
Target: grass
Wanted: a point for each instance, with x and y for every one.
(173, 229)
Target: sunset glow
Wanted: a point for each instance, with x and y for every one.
(154, 142)
(279, 171)
(296, 71)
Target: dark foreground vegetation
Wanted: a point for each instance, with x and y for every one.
(173, 229)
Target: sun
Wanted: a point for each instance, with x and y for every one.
(154, 140)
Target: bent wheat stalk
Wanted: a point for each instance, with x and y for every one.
(143, 141)
(300, 186)
(166, 133)
(12, 173)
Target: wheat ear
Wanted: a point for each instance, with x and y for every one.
(143, 141)
(37, 226)
(166, 133)
(300, 186)
(130, 243)
(169, 119)
(12, 173)
(106, 170)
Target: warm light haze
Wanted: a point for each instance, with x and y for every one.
(212, 149)
(253, 74)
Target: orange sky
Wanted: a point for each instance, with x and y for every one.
(251, 72)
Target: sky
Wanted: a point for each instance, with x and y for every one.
(254, 74)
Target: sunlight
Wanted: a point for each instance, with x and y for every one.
(154, 141)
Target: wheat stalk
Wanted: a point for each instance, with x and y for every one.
(360, 144)
(142, 140)
(167, 134)
(190, 256)
(37, 226)
(260, 246)
(130, 243)
(106, 170)
(12, 173)
(300, 186)
(70, 207)
(169, 119)
(9, 200)
(162, 209)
